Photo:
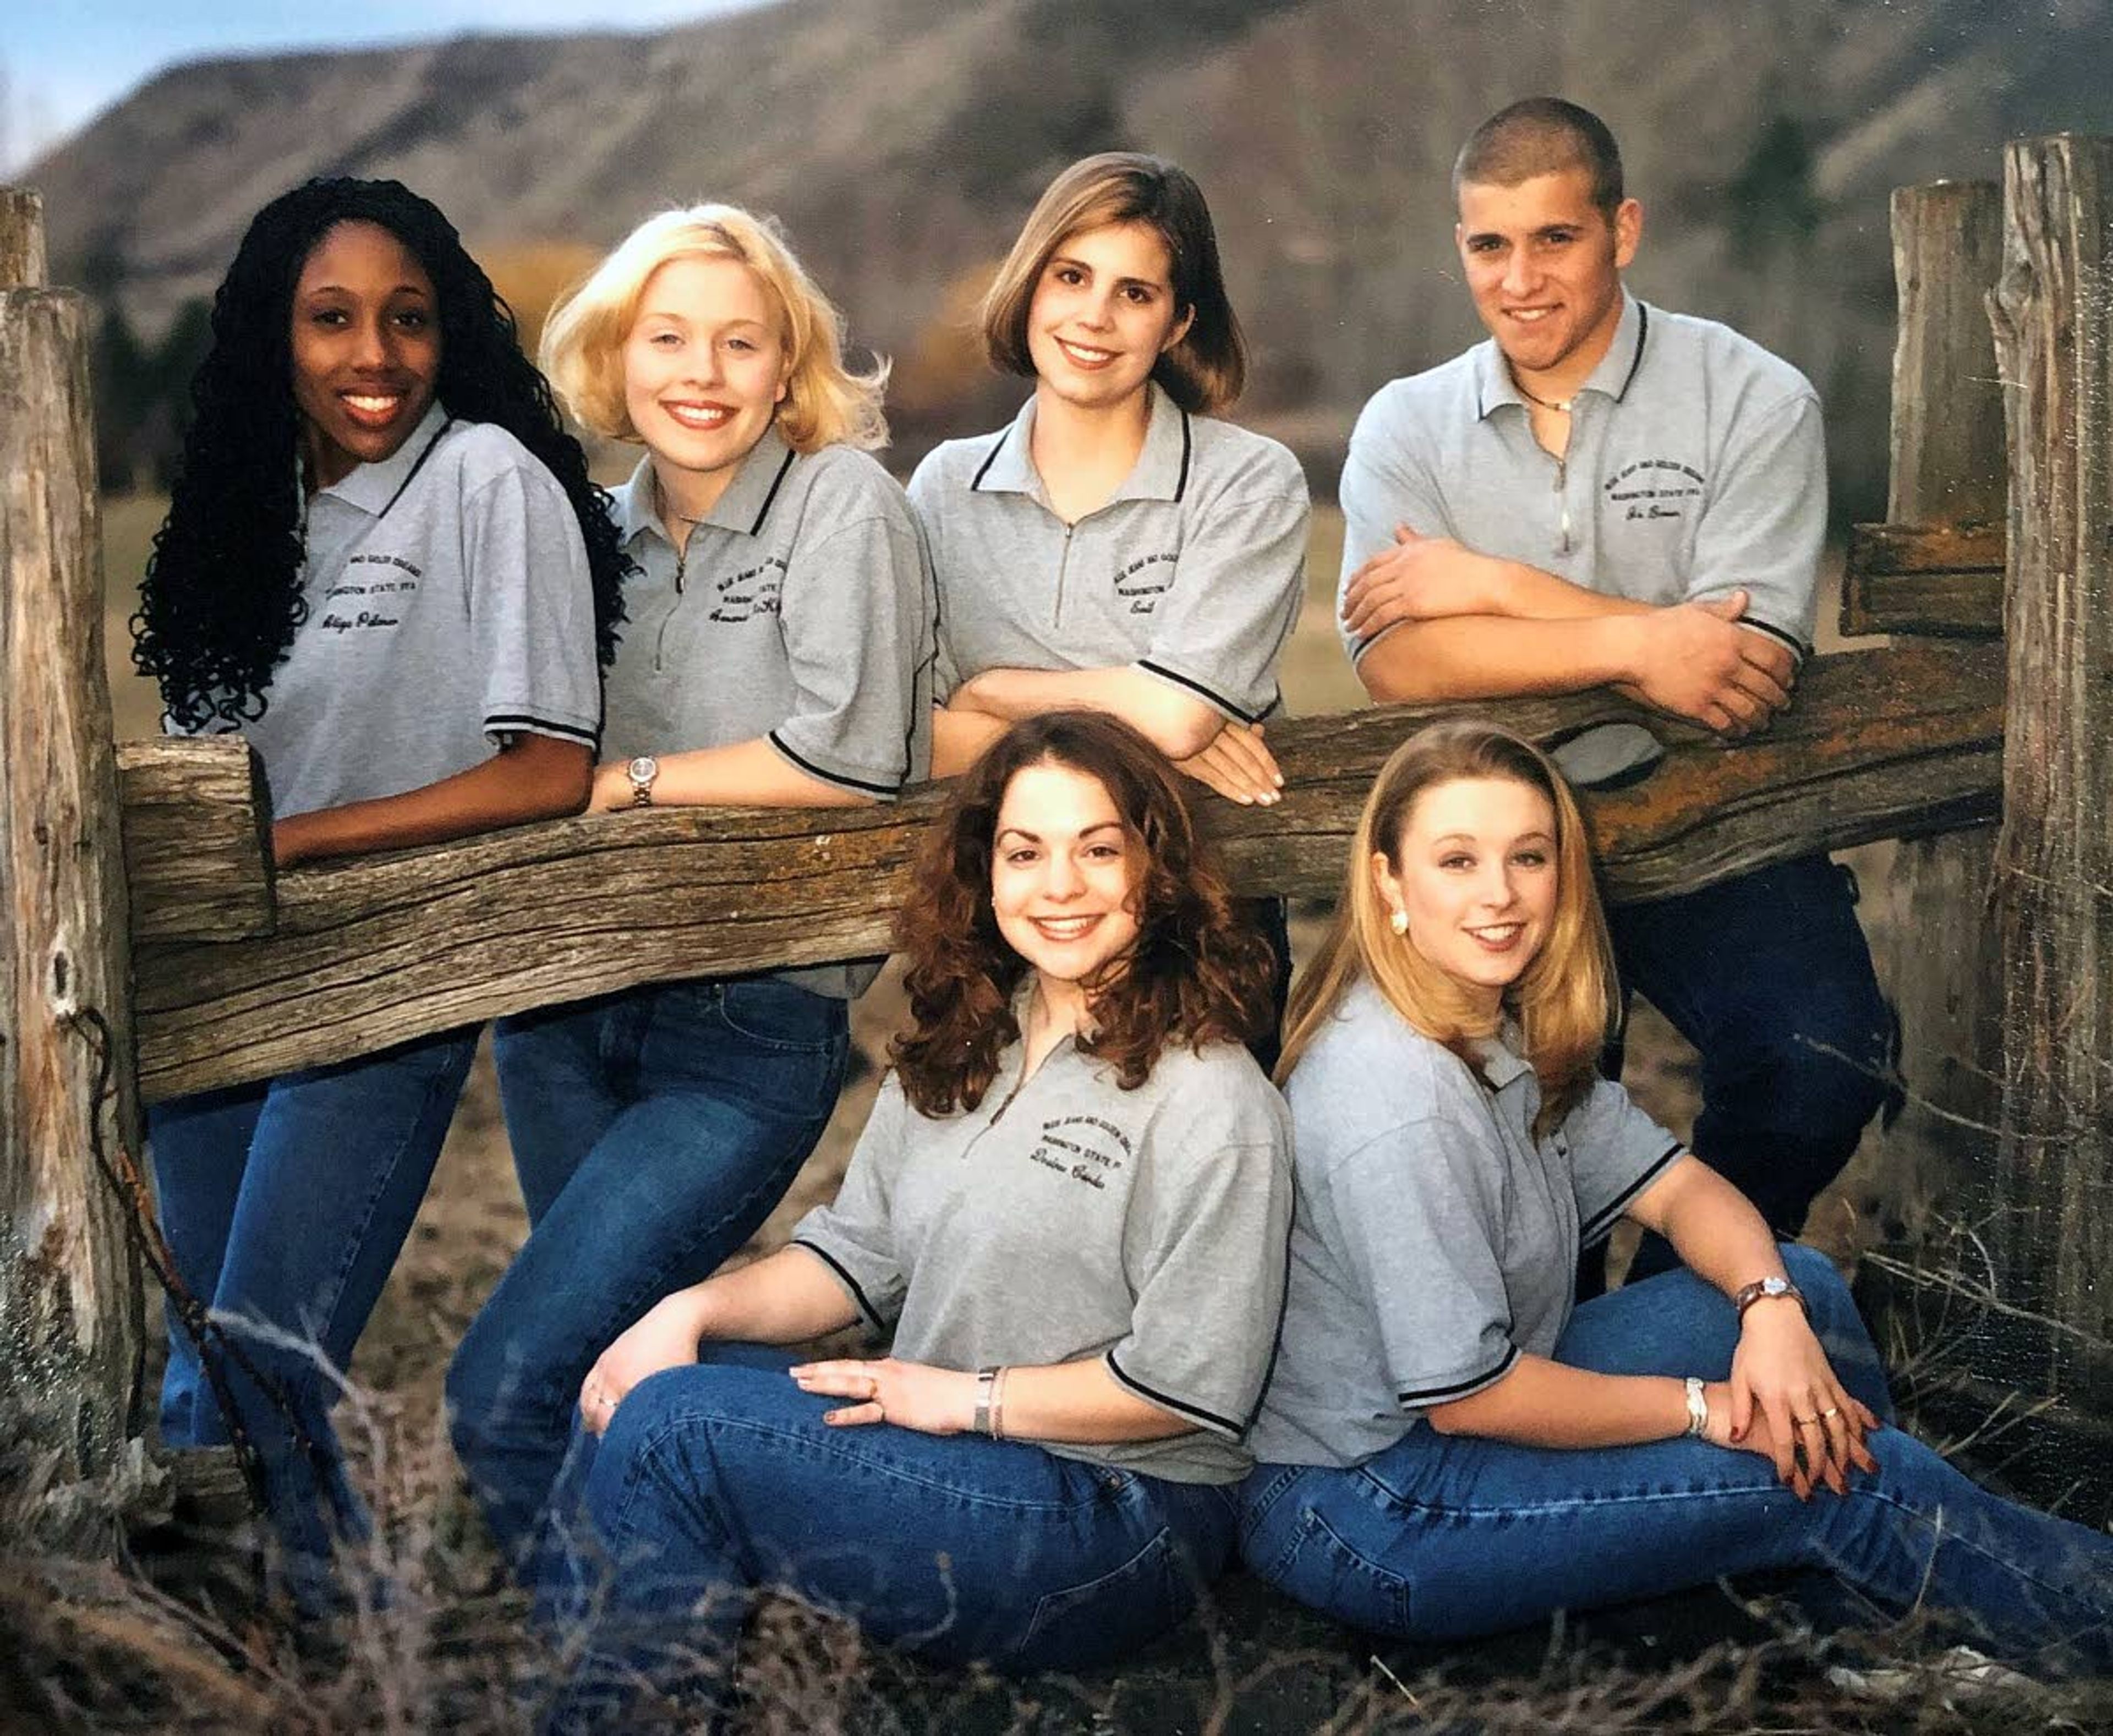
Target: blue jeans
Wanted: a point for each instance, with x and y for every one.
(718, 1480)
(286, 1204)
(652, 1131)
(1439, 1538)
(1769, 977)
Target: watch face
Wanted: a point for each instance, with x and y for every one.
(644, 768)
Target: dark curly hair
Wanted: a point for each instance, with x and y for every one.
(221, 597)
(1197, 973)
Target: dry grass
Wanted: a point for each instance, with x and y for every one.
(176, 1640)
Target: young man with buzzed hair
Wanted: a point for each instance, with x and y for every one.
(1605, 493)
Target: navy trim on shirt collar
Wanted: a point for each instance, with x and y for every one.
(1636, 361)
(1495, 387)
(633, 499)
(375, 488)
(1147, 481)
(763, 471)
(997, 445)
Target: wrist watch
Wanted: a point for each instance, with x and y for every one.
(1763, 1290)
(642, 771)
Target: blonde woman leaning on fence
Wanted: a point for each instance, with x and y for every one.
(777, 652)
(1447, 1447)
(1069, 1207)
(385, 564)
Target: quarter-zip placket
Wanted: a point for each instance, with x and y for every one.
(1063, 567)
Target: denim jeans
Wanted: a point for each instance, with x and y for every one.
(718, 1480)
(653, 1132)
(285, 1206)
(1439, 1537)
(1769, 977)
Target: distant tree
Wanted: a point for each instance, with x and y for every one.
(119, 383)
(1773, 207)
(176, 359)
(532, 275)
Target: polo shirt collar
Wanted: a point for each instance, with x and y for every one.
(1160, 473)
(1499, 1056)
(1494, 385)
(745, 506)
(632, 503)
(373, 488)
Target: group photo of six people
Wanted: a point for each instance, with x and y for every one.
(1174, 1260)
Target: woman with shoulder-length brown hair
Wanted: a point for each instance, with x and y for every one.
(1069, 1205)
(1119, 544)
(1447, 1448)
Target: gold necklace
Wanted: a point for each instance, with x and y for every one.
(666, 511)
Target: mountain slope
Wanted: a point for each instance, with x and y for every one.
(902, 140)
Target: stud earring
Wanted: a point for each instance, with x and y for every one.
(1399, 922)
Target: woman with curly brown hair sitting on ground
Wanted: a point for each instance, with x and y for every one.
(1070, 1205)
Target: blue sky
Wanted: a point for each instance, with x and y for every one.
(65, 60)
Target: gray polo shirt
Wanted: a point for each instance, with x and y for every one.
(1697, 466)
(1066, 1218)
(1194, 570)
(448, 608)
(799, 612)
(1435, 1238)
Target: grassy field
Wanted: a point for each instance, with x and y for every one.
(472, 1221)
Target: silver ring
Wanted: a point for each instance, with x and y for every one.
(1831, 1410)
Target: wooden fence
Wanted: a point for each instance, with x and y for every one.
(138, 904)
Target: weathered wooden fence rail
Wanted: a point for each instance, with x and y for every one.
(221, 971)
(345, 957)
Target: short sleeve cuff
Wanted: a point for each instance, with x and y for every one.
(868, 1290)
(1796, 647)
(1603, 1221)
(506, 718)
(1244, 708)
(1204, 1413)
(817, 762)
(1426, 1394)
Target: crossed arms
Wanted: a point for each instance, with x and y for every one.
(1429, 617)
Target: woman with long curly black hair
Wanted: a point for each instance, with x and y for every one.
(385, 564)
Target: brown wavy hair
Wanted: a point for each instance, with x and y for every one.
(1196, 973)
(1565, 1001)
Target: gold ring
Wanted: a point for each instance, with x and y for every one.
(1804, 1422)
(1831, 1410)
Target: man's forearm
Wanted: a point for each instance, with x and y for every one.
(1498, 657)
(1529, 593)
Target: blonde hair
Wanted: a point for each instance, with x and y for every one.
(1208, 369)
(1565, 1000)
(583, 348)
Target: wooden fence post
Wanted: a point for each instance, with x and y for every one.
(2053, 316)
(70, 1326)
(1938, 956)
